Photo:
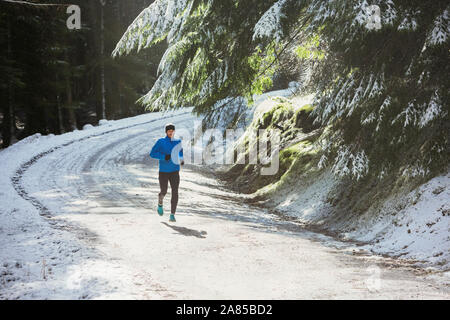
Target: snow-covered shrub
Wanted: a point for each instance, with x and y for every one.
(88, 126)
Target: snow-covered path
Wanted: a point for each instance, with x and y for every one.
(99, 236)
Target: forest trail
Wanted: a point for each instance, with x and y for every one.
(219, 248)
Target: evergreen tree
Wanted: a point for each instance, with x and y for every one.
(211, 54)
(382, 93)
(51, 77)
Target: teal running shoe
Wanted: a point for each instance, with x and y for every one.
(160, 210)
(172, 218)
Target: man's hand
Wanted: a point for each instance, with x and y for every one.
(182, 162)
(167, 157)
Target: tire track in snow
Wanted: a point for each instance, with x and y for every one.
(114, 190)
(116, 154)
(19, 173)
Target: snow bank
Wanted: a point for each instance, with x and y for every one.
(415, 226)
(411, 226)
(87, 126)
(39, 256)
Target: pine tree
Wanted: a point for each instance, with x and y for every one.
(212, 50)
(10, 78)
(51, 76)
(382, 93)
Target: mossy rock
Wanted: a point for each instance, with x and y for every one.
(277, 115)
(304, 119)
(299, 158)
(287, 157)
(266, 120)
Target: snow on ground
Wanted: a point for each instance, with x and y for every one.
(309, 205)
(415, 226)
(43, 257)
(412, 226)
(78, 221)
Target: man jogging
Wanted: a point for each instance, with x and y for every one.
(169, 168)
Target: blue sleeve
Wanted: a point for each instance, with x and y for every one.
(156, 151)
(181, 151)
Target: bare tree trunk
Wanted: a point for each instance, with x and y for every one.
(102, 53)
(70, 109)
(69, 102)
(118, 10)
(8, 114)
(60, 118)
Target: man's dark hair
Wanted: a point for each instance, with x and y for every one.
(170, 126)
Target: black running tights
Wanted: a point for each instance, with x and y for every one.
(174, 179)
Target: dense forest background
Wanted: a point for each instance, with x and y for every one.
(55, 80)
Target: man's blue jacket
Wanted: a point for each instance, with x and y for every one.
(163, 147)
